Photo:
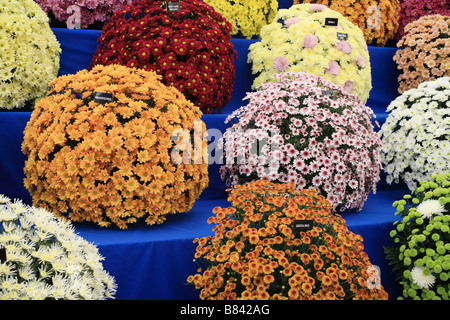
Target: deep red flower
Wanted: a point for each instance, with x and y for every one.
(190, 48)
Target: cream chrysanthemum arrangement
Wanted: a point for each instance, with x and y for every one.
(416, 134)
(314, 39)
(246, 16)
(41, 257)
(421, 255)
(29, 53)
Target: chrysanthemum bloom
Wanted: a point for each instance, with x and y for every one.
(113, 145)
(261, 251)
(430, 208)
(281, 63)
(304, 129)
(190, 48)
(419, 255)
(422, 277)
(378, 19)
(324, 43)
(29, 57)
(423, 52)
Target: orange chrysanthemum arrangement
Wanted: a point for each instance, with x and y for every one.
(257, 251)
(424, 51)
(377, 19)
(99, 148)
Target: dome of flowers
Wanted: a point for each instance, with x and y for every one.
(378, 19)
(29, 53)
(424, 51)
(275, 242)
(246, 16)
(412, 10)
(422, 240)
(303, 129)
(416, 134)
(100, 148)
(190, 48)
(314, 39)
(85, 13)
(43, 258)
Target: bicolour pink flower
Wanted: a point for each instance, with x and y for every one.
(349, 86)
(344, 46)
(361, 62)
(280, 64)
(310, 41)
(291, 21)
(333, 67)
(317, 7)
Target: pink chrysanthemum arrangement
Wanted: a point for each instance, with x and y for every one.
(81, 14)
(303, 129)
(424, 51)
(412, 10)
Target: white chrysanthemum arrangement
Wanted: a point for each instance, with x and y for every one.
(29, 53)
(421, 254)
(42, 258)
(416, 134)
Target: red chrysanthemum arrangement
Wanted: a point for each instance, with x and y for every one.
(188, 46)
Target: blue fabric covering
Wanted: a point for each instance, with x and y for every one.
(154, 262)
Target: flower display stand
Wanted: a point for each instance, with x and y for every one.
(153, 262)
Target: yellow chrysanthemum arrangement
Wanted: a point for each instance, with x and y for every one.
(378, 19)
(101, 144)
(29, 57)
(276, 242)
(314, 39)
(246, 16)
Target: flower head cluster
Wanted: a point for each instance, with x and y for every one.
(257, 252)
(412, 10)
(378, 19)
(88, 12)
(416, 134)
(424, 51)
(421, 255)
(246, 16)
(306, 130)
(29, 53)
(189, 48)
(110, 161)
(46, 259)
(307, 38)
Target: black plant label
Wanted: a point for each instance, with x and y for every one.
(173, 6)
(332, 22)
(2, 255)
(102, 97)
(302, 225)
